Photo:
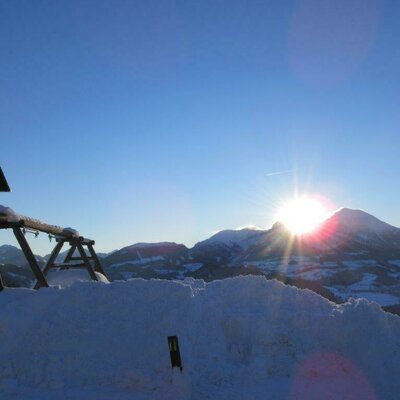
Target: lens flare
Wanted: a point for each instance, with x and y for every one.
(302, 215)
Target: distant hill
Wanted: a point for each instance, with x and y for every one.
(13, 255)
(352, 254)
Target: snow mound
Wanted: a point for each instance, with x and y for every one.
(67, 277)
(241, 338)
(8, 214)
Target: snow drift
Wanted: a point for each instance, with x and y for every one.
(240, 338)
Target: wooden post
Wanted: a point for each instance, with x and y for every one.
(50, 262)
(41, 280)
(98, 266)
(1, 284)
(70, 266)
(174, 352)
(86, 261)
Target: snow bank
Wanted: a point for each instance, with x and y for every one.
(241, 338)
(67, 277)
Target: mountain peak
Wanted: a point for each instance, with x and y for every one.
(234, 237)
(229, 234)
(152, 245)
(358, 220)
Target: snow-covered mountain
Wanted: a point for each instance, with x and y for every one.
(13, 255)
(358, 221)
(234, 239)
(63, 254)
(352, 254)
(14, 268)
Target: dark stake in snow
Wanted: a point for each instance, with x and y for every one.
(174, 352)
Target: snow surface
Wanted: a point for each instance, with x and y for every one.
(396, 263)
(9, 214)
(359, 220)
(72, 231)
(384, 299)
(360, 263)
(193, 266)
(240, 338)
(141, 260)
(243, 238)
(151, 245)
(67, 277)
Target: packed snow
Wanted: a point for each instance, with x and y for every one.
(193, 266)
(67, 277)
(8, 214)
(240, 338)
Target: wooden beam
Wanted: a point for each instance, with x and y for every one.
(47, 228)
(1, 284)
(41, 280)
(3, 183)
(86, 261)
(50, 262)
(86, 241)
(70, 253)
(97, 263)
(5, 224)
(70, 266)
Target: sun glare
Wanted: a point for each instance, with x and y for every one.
(302, 215)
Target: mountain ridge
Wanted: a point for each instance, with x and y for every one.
(351, 254)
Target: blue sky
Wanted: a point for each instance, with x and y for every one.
(161, 120)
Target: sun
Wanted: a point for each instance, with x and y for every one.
(302, 215)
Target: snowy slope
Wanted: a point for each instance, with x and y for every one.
(359, 220)
(242, 238)
(241, 338)
(12, 255)
(144, 252)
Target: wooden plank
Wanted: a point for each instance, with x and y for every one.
(97, 263)
(47, 228)
(41, 280)
(86, 241)
(68, 266)
(86, 261)
(5, 224)
(52, 259)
